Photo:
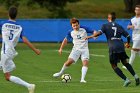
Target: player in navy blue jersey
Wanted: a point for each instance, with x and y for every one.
(113, 32)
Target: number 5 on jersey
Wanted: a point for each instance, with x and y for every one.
(11, 34)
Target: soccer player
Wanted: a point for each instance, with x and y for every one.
(135, 26)
(80, 48)
(113, 32)
(11, 32)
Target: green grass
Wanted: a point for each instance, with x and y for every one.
(82, 9)
(39, 70)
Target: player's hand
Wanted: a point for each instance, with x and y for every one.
(37, 51)
(130, 27)
(60, 51)
(127, 45)
(87, 37)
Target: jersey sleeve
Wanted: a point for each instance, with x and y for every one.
(124, 33)
(102, 29)
(68, 36)
(88, 29)
(22, 33)
(130, 23)
(1, 23)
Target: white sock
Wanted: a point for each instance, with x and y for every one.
(19, 81)
(133, 54)
(63, 69)
(84, 71)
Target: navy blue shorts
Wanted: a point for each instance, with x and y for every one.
(117, 57)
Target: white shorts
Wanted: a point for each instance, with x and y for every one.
(7, 63)
(75, 54)
(136, 44)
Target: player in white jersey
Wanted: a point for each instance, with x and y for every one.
(135, 26)
(11, 32)
(80, 49)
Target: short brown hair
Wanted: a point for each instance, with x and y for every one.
(74, 20)
(13, 12)
(137, 6)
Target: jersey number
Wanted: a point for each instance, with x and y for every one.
(115, 30)
(78, 37)
(11, 34)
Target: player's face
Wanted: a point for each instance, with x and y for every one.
(109, 18)
(137, 11)
(75, 26)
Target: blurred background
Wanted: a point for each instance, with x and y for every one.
(69, 8)
(46, 23)
(49, 19)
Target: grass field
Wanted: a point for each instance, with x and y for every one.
(39, 70)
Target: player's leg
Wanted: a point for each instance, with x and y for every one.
(124, 57)
(0, 66)
(73, 57)
(131, 70)
(135, 49)
(17, 80)
(64, 67)
(132, 57)
(84, 71)
(8, 66)
(121, 75)
(85, 58)
(114, 58)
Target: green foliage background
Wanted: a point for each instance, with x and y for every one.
(68, 9)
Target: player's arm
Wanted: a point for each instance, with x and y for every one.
(126, 35)
(130, 27)
(89, 30)
(96, 34)
(30, 45)
(127, 45)
(62, 45)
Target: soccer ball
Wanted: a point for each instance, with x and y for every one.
(66, 78)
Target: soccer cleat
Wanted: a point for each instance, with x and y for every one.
(126, 83)
(124, 67)
(31, 88)
(57, 74)
(83, 81)
(137, 81)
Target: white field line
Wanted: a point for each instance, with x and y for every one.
(51, 81)
(64, 51)
(89, 81)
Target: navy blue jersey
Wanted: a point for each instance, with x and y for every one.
(113, 32)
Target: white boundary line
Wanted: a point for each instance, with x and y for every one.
(51, 81)
(64, 51)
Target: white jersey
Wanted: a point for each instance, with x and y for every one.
(136, 31)
(11, 32)
(78, 38)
